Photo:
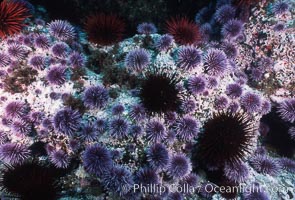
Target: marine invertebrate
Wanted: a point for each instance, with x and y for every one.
(232, 28)
(67, 121)
(60, 49)
(286, 110)
(137, 112)
(137, 60)
(77, 60)
(3, 137)
(196, 84)
(265, 107)
(234, 90)
(220, 103)
(155, 131)
(188, 58)
(186, 128)
(22, 126)
(212, 82)
(38, 62)
(256, 74)
(4, 60)
(89, 133)
(16, 109)
(61, 30)
(256, 192)
(159, 92)
(56, 75)
(118, 109)
(291, 132)
(279, 27)
(95, 97)
(225, 13)
(59, 159)
(237, 173)
(12, 17)
(97, 159)
(30, 181)
(265, 165)
(280, 7)
(287, 164)
(251, 102)
(188, 106)
(179, 166)
(233, 106)
(104, 29)
(14, 153)
(183, 30)
(42, 41)
(16, 51)
(146, 176)
(146, 28)
(224, 128)
(164, 42)
(157, 156)
(229, 49)
(190, 180)
(215, 62)
(118, 128)
(118, 179)
(175, 196)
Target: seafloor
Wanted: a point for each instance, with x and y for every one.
(200, 108)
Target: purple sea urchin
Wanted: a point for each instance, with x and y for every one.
(188, 106)
(38, 62)
(179, 166)
(42, 41)
(225, 13)
(265, 107)
(60, 50)
(146, 177)
(16, 109)
(77, 60)
(97, 159)
(118, 180)
(95, 97)
(287, 164)
(286, 110)
(13, 153)
(234, 90)
(17, 52)
(146, 28)
(251, 102)
(232, 28)
(188, 58)
(165, 42)
(155, 131)
(215, 62)
(89, 133)
(291, 132)
(279, 27)
(137, 60)
(222, 129)
(237, 173)
(196, 84)
(59, 159)
(280, 7)
(187, 128)
(157, 156)
(22, 126)
(56, 75)
(67, 121)
(4, 60)
(119, 128)
(118, 109)
(137, 112)
(62, 30)
(220, 103)
(229, 49)
(255, 192)
(265, 165)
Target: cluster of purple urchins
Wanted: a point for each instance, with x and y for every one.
(52, 48)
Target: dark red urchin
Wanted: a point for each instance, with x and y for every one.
(228, 138)
(104, 29)
(12, 17)
(183, 30)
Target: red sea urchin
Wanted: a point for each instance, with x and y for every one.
(12, 16)
(183, 30)
(228, 138)
(104, 29)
